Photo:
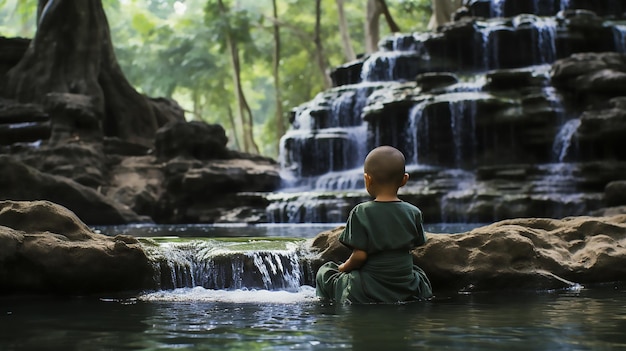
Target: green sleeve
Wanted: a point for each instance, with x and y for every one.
(354, 235)
(420, 239)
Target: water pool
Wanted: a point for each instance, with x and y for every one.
(199, 319)
(196, 318)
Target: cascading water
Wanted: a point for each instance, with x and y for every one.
(546, 40)
(405, 97)
(497, 8)
(463, 127)
(416, 126)
(215, 264)
(564, 138)
(489, 44)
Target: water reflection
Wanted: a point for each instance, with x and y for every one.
(592, 319)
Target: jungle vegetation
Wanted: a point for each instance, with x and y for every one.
(241, 63)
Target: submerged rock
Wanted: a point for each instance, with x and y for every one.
(529, 253)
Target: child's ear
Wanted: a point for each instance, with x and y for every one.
(405, 178)
(367, 178)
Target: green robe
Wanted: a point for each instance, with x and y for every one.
(387, 231)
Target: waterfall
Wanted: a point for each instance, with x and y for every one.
(463, 127)
(546, 36)
(619, 38)
(311, 207)
(417, 129)
(216, 264)
(489, 46)
(563, 139)
(346, 180)
(497, 8)
(564, 5)
(379, 67)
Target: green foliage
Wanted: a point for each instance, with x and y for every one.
(176, 48)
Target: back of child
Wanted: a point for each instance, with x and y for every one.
(381, 233)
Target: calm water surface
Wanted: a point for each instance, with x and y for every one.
(199, 319)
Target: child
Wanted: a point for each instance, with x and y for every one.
(381, 234)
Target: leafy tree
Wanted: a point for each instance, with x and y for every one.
(177, 49)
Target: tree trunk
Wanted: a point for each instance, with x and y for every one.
(375, 8)
(280, 123)
(319, 49)
(372, 29)
(345, 33)
(243, 109)
(72, 53)
(393, 26)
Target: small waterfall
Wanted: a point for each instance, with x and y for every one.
(619, 37)
(311, 207)
(214, 264)
(497, 8)
(563, 139)
(463, 127)
(489, 45)
(546, 36)
(378, 67)
(564, 5)
(417, 130)
(346, 180)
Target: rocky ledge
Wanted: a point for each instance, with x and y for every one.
(526, 254)
(45, 248)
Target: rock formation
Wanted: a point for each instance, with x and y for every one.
(516, 254)
(45, 248)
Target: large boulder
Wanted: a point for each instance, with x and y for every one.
(531, 253)
(46, 248)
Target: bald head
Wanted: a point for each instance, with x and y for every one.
(385, 164)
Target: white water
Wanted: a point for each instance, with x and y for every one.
(379, 66)
(497, 8)
(546, 40)
(417, 130)
(490, 45)
(463, 126)
(241, 296)
(563, 139)
(218, 264)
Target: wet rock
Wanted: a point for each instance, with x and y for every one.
(615, 193)
(433, 80)
(516, 254)
(45, 248)
(591, 73)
